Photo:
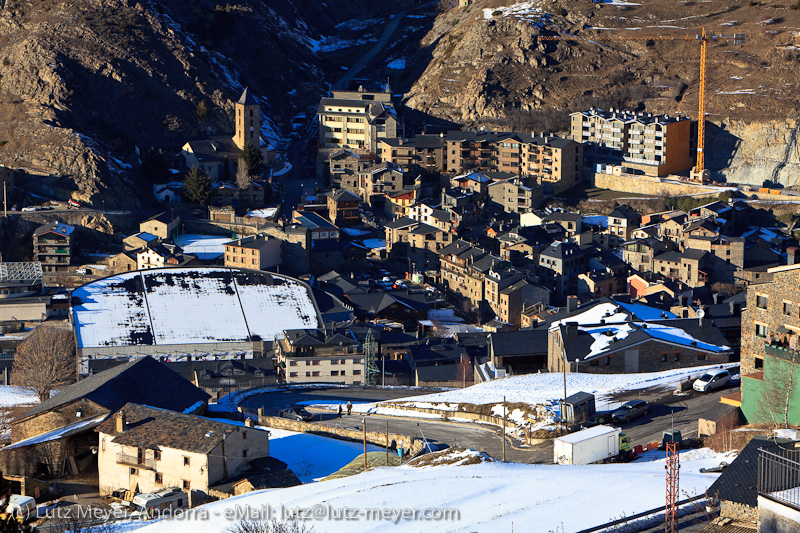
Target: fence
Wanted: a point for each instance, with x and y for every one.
(779, 475)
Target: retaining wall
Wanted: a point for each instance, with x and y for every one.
(650, 185)
(373, 437)
(447, 414)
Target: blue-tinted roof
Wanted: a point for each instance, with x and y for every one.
(645, 312)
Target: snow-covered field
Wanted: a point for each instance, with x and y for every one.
(189, 306)
(205, 247)
(485, 497)
(10, 396)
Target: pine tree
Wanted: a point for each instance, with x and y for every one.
(251, 157)
(197, 186)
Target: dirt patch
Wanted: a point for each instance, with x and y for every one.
(453, 457)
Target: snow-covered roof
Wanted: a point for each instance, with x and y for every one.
(190, 306)
(595, 431)
(65, 431)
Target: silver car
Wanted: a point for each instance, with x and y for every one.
(630, 410)
(712, 380)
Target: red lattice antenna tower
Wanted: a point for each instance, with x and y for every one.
(673, 467)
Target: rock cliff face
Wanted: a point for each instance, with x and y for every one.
(484, 65)
(757, 152)
(84, 82)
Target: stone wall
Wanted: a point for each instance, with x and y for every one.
(650, 185)
(446, 414)
(737, 511)
(373, 437)
(54, 419)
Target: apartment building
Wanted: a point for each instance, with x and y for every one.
(356, 119)
(378, 181)
(256, 252)
(423, 152)
(516, 195)
(642, 143)
(320, 356)
(52, 246)
(553, 161)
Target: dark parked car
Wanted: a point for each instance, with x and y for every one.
(296, 413)
(598, 419)
(630, 410)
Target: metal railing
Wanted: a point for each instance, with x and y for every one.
(133, 460)
(779, 475)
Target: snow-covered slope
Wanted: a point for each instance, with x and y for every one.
(486, 497)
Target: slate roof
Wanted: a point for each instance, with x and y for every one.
(625, 211)
(402, 222)
(738, 481)
(522, 342)
(371, 303)
(343, 195)
(444, 372)
(247, 98)
(148, 427)
(143, 380)
(55, 227)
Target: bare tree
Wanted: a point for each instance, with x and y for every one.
(465, 372)
(273, 526)
(781, 383)
(45, 361)
(243, 177)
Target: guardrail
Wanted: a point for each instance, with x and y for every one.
(637, 516)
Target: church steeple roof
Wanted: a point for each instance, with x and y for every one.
(247, 98)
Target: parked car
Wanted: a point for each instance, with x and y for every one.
(712, 380)
(73, 203)
(630, 411)
(29, 209)
(600, 418)
(20, 507)
(296, 413)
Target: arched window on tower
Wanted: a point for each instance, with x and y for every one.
(251, 112)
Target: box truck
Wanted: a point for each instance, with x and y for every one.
(592, 445)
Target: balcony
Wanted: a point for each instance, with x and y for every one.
(786, 354)
(138, 462)
(779, 475)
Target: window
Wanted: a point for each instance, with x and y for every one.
(157, 455)
(292, 374)
(315, 374)
(334, 373)
(594, 362)
(159, 478)
(701, 357)
(244, 453)
(608, 361)
(761, 301)
(677, 356)
(185, 461)
(356, 361)
(787, 308)
(315, 362)
(244, 435)
(292, 363)
(759, 362)
(664, 357)
(308, 374)
(134, 471)
(187, 485)
(308, 363)
(761, 330)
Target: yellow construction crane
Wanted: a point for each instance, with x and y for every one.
(699, 172)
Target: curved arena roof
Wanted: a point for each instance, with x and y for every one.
(190, 306)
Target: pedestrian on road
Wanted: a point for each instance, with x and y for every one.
(349, 408)
(340, 411)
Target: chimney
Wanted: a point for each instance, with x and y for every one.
(572, 303)
(571, 329)
(122, 423)
(734, 309)
(681, 300)
(791, 253)
(248, 422)
(717, 297)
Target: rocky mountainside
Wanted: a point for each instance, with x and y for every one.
(82, 83)
(483, 65)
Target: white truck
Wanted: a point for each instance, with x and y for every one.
(161, 503)
(592, 445)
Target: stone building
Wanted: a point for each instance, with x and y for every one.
(148, 449)
(516, 195)
(770, 352)
(630, 346)
(256, 252)
(318, 356)
(163, 225)
(423, 152)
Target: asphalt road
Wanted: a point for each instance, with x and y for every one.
(667, 411)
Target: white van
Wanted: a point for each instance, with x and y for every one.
(21, 507)
(712, 380)
(164, 501)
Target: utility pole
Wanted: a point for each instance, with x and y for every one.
(364, 424)
(564, 405)
(387, 443)
(503, 429)
(5, 200)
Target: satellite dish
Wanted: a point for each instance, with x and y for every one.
(701, 313)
